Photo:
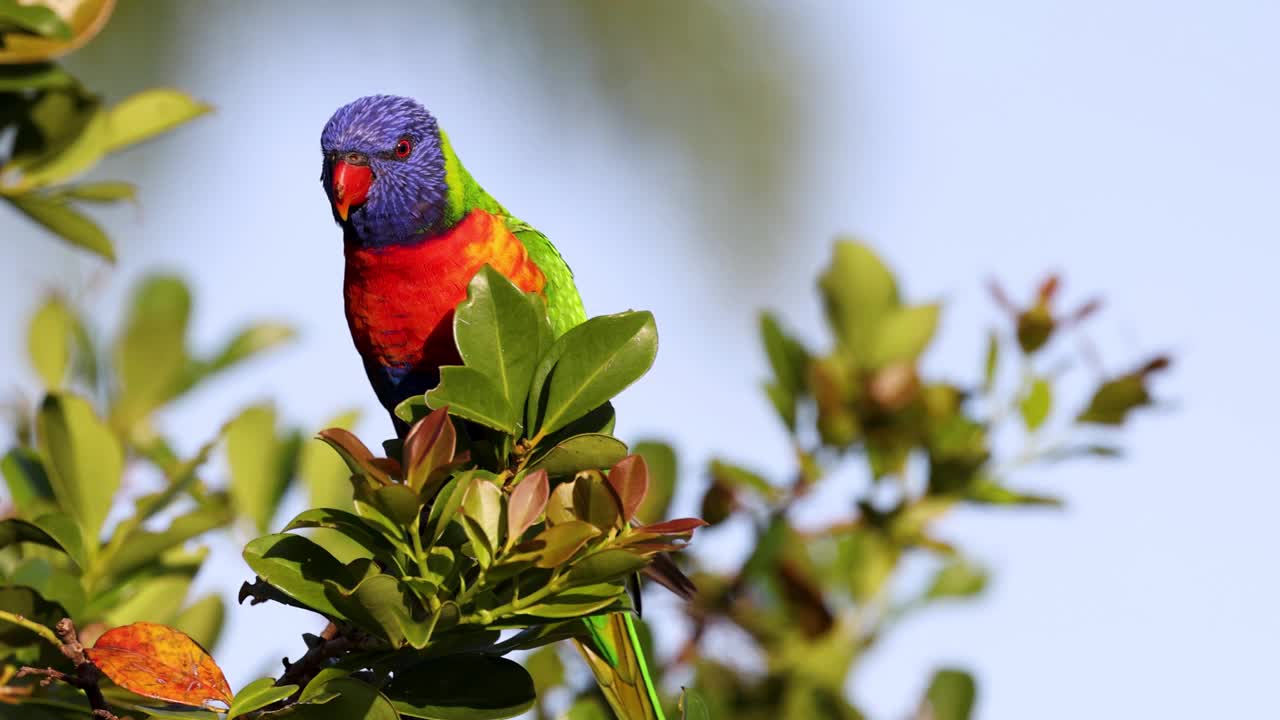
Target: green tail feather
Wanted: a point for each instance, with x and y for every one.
(618, 661)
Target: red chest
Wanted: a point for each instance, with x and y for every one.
(400, 300)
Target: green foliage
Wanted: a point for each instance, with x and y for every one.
(507, 506)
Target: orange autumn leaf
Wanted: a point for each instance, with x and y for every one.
(159, 662)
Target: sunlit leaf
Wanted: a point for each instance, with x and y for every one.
(84, 458)
(108, 191)
(49, 342)
(629, 479)
(257, 695)
(526, 504)
(561, 542)
(202, 620)
(429, 446)
(159, 662)
(589, 365)
(693, 706)
(262, 464)
(1036, 404)
(661, 461)
(591, 451)
(957, 579)
(333, 696)
(296, 566)
(472, 395)
(858, 291)
(323, 471)
(951, 695)
(150, 354)
(149, 113)
(36, 19)
(65, 221)
(903, 334)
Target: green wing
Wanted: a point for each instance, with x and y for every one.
(564, 304)
(619, 665)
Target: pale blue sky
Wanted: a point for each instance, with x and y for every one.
(1131, 146)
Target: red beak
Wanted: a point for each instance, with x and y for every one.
(350, 186)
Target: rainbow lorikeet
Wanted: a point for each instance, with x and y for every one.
(416, 228)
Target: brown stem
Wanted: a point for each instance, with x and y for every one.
(334, 641)
(86, 675)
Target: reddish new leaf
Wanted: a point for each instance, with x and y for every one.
(678, 526)
(159, 662)
(358, 457)
(429, 445)
(527, 502)
(629, 479)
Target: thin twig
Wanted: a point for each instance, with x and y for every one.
(34, 627)
(86, 676)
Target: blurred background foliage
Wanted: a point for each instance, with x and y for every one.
(926, 439)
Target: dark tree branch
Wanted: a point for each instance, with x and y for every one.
(86, 675)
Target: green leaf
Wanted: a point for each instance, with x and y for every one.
(159, 595)
(482, 507)
(606, 566)
(592, 451)
(257, 695)
(364, 532)
(661, 461)
(78, 155)
(382, 605)
(34, 19)
(35, 76)
(142, 546)
(398, 502)
(56, 530)
(589, 365)
(588, 708)
(989, 492)
(558, 543)
(951, 695)
(330, 696)
(1115, 399)
(66, 222)
(261, 463)
(470, 394)
(786, 355)
(150, 355)
(579, 601)
(109, 191)
(1036, 404)
(595, 502)
(323, 471)
(297, 567)
(84, 458)
(462, 687)
(498, 331)
(202, 620)
(149, 113)
(28, 483)
(249, 342)
(692, 706)
(991, 364)
(737, 476)
(957, 579)
(174, 712)
(858, 291)
(903, 334)
(49, 341)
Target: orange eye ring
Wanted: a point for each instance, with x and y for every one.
(403, 148)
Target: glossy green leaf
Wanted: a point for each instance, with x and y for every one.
(382, 605)
(787, 356)
(257, 695)
(365, 533)
(84, 459)
(558, 543)
(323, 471)
(149, 113)
(951, 695)
(858, 291)
(582, 452)
(202, 620)
(903, 334)
(262, 463)
(470, 394)
(334, 697)
(661, 461)
(580, 601)
(1036, 404)
(589, 365)
(296, 566)
(49, 342)
(446, 504)
(498, 331)
(606, 566)
(462, 687)
(65, 221)
(482, 507)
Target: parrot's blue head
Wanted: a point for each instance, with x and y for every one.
(384, 169)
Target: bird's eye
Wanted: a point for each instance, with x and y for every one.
(403, 148)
